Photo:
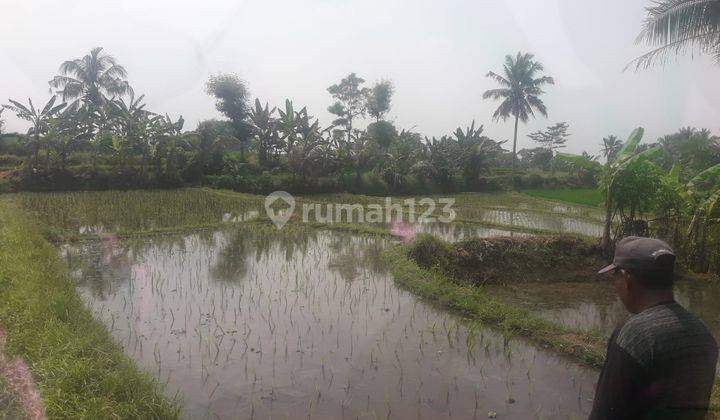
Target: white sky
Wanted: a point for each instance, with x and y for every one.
(436, 52)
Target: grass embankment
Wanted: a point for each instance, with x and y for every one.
(585, 196)
(80, 372)
(435, 286)
(479, 261)
(437, 282)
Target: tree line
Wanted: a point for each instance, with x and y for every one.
(95, 132)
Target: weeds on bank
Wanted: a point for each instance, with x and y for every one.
(80, 372)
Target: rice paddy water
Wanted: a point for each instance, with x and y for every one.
(309, 326)
(240, 320)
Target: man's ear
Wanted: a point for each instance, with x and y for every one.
(630, 284)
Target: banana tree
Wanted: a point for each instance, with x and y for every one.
(264, 129)
(134, 125)
(165, 135)
(703, 194)
(38, 118)
(610, 173)
(287, 125)
(68, 132)
(309, 138)
(474, 150)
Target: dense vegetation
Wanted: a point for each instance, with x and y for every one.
(95, 133)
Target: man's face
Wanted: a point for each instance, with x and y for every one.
(621, 284)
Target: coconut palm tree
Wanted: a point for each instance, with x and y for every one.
(679, 26)
(91, 80)
(610, 146)
(521, 87)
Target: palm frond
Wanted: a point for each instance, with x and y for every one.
(538, 104)
(679, 26)
(503, 111)
(496, 93)
(703, 43)
(672, 20)
(499, 79)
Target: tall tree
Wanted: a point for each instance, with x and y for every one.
(232, 101)
(379, 99)
(350, 102)
(2, 122)
(610, 146)
(520, 91)
(552, 139)
(39, 120)
(679, 26)
(91, 80)
(691, 149)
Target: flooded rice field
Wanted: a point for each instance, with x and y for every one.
(594, 306)
(242, 324)
(240, 320)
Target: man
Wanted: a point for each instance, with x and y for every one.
(661, 362)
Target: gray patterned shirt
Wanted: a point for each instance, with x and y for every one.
(660, 364)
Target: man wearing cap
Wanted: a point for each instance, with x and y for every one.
(661, 362)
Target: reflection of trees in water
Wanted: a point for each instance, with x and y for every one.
(100, 267)
(352, 255)
(241, 243)
(231, 261)
(103, 266)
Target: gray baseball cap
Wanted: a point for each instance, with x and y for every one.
(634, 252)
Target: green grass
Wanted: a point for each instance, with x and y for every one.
(474, 303)
(79, 370)
(139, 210)
(585, 197)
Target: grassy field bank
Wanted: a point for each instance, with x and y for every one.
(80, 372)
(474, 303)
(585, 196)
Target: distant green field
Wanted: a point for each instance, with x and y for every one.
(585, 196)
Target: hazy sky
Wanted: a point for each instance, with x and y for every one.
(436, 52)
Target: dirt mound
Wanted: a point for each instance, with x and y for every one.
(511, 260)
